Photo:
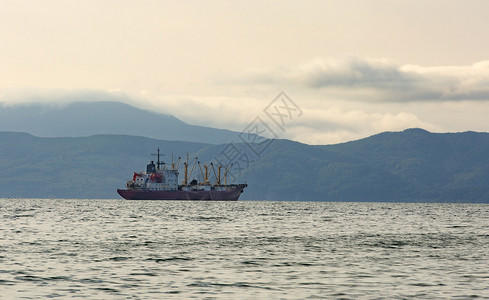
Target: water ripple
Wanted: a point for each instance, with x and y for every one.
(290, 250)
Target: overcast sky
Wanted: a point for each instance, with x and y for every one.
(353, 68)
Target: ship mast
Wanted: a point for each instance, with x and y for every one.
(158, 163)
(178, 163)
(218, 175)
(187, 173)
(226, 169)
(206, 180)
(185, 164)
(192, 169)
(200, 168)
(206, 175)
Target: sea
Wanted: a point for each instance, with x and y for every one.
(120, 249)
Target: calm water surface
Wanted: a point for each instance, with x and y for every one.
(297, 250)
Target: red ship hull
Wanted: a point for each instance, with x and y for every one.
(140, 194)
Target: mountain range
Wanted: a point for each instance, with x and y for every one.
(64, 154)
(412, 165)
(79, 119)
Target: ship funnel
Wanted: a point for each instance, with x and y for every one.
(151, 167)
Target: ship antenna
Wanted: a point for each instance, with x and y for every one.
(159, 163)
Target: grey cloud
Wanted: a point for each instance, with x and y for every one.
(382, 80)
(356, 72)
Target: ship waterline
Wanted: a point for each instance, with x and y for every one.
(232, 193)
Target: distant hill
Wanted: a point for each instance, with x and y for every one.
(82, 167)
(418, 164)
(79, 119)
(413, 165)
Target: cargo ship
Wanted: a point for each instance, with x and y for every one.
(160, 182)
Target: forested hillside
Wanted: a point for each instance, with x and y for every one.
(413, 165)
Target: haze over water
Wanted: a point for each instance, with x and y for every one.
(159, 249)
